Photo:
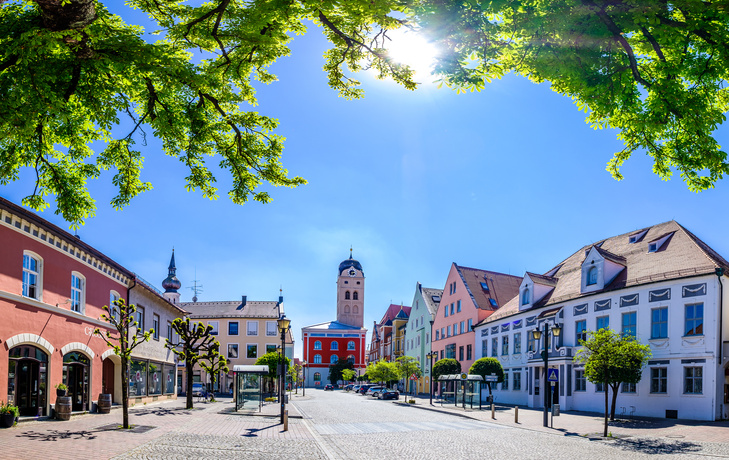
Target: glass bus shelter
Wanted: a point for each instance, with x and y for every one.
(248, 386)
(461, 389)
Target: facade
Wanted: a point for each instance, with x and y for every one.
(470, 296)
(388, 335)
(417, 336)
(246, 330)
(327, 343)
(661, 284)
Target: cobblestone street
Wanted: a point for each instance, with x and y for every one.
(338, 425)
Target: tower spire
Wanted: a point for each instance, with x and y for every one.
(171, 284)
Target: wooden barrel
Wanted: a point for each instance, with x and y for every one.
(63, 408)
(104, 403)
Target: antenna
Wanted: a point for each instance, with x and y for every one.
(196, 288)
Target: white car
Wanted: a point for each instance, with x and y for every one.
(372, 391)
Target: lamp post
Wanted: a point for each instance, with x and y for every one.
(430, 356)
(303, 370)
(537, 334)
(283, 327)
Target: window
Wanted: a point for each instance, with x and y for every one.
(458, 307)
(155, 326)
(493, 303)
(580, 381)
(271, 348)
(446, 311)
(591, 276)
(214, 325)
(355, 295)
(517, 380)
(627, 387)
(452, 306)
(531, 342)
(252, 328)
(629, 323)
(652, 247)
(334, 359)
(139, 318)
(463, 327)
(505, 383)
(599, 387)
(232, 327)
(271, 329)
(317, 359)
(113, 308)
(169, 330)
(484, 348)
(437, 335)
(347, 296)
(317, 375)
(77, 292)
(350, 345)
(495, 346)
(460, 353)
(335, 345)
(659, 323)
(233, 350)
(317, 345)
(693, 380)
(517, 343)
(580, 331)
(505, 345)
(449, 331)
(450, 350)
(441, 354)
(252, 350)
(695, 319)
(32, 269)
(525, 296)
(469, 352)
(470, 325)
(659, 380)
(603, 322)
(350, 358)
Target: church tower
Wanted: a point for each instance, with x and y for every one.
(350, 293)
(171, 284)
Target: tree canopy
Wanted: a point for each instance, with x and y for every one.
(488, 366)
(446, 366)
(382, 371)
(80, 88)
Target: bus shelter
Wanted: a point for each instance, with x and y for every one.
(248, 385)
(463, 388)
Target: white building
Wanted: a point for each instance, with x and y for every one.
(661, 284)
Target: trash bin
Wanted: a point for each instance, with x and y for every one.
(555, 410)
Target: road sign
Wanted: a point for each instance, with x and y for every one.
(552, 375)
(491, 378)
(413, 377)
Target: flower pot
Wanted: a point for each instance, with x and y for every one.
(60, 392)
(7, 420)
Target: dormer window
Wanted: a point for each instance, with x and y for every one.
(525, 296)
(636, 237)
(484, 286)
(658, 243)
(592, 276)
(652, 247)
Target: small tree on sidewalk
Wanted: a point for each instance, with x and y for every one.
(214, 363)
(272, 359)
(612, 359)
(488, 366)
(194, 343)
(121, 318)
(382, 371)
(445, 366)
(348, 374)
(408, 366)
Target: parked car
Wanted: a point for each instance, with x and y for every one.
(197, 389)
(356, 388)
(388, 394)
(372, 391)
(329, 387)
(348, 387)
(363, 389)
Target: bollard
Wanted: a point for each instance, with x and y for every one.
(493, 411)
(286, 420)
(516, 414)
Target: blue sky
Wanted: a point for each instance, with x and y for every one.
(509, 179)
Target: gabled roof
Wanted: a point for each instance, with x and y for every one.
(231, 309)
(392, 312)
(402, 315)
(607, 255)
(542, 279)
(684, 255)
(502, 287)
(430, 303)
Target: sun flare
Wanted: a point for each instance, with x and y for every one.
(413, 50)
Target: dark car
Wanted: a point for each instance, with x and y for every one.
(388, 394)
(329, 387)
(363, 389)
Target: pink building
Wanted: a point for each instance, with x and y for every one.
(470, 296)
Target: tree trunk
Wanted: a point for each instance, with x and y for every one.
(188, 393)
(615, 398)
(605, 387)
(75, 14)
(125, 390)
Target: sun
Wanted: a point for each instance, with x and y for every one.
(407, 47)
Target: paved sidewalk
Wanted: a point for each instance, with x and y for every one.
(575, 423)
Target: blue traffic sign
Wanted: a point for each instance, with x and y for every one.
(552, 375)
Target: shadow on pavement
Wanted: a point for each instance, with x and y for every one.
(160, 412)
(55, 435)
(657, 446)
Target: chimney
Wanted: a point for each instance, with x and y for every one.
(243, 302)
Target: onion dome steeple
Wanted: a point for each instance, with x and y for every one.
(350, 263)
(171, 283)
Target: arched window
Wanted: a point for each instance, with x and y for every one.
(592, 276)
(350, 345)
(346, 295)
(346, 309)
(335, 345)
(317, 376)
(317, 359)
(355, 310)
(525, 296)
(355, 295)
(334, 359)
(317, 345)
(350, 358)
(32, 275)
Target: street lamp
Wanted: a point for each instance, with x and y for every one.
(537, 334)
(431, 355)
(283, 327)
(303, 370)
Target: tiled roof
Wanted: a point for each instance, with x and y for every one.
(543, 279)
(392, 312)
(501, 287)
(683, 255)
(333, 325)
(431, 304)
(231, 309)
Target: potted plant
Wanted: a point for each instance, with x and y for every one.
(8, 415)
(61, 389)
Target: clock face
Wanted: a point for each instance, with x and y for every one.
(352, 272)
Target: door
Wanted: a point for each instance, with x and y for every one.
(77, 380)
(26, 385)
(107, 379)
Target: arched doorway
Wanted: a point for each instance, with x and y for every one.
(28, 379)
(76, 377)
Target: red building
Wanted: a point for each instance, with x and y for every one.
(330, 342)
